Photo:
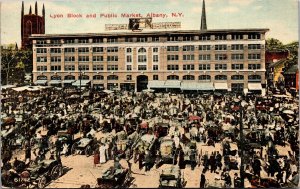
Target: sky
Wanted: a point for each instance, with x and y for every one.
(280, 16)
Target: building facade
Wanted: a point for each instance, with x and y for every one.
(231, 60)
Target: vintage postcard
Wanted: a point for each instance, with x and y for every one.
(149, 94)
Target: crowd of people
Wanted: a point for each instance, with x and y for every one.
(257, 133)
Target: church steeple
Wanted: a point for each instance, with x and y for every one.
(30, 12)
(203, 17)
(36, 9)
(22, 10)
(43, 11)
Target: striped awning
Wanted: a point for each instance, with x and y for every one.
(55, 82)
(68, 81)
(197, 86)
(40, 82)
(156, 84)
(221, 86)
(254, 86)
(82, 83)
(172, 84)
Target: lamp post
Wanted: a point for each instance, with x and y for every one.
(80, 77)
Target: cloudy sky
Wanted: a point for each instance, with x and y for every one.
(280, 16)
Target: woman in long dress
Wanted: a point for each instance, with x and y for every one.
(96, 157)
(102, 150)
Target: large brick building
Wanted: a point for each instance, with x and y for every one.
(230, 60)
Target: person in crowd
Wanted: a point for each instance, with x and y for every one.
(202, 180)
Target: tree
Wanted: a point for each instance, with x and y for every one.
(8, 62)
(274, 44)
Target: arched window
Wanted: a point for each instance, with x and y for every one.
(237, 77)
(188, 77)
(221, 77)
(128, 50)
(254, 78)
(204, 77)
(172, 77)
(28, 28)
(69, 77)
(142, 55)
(55, 77)
(84, 77)
(142, 50)
(112, 77)
(42, 77)
(98, 77)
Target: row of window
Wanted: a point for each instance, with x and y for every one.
(217, 67)
(205, 57)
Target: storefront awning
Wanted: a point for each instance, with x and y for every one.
(254, 86)
(55, 82)
(83, 83)
(98, 81)
(68, 81)
(197, 86)
(40, 82)
(221, 86)
(172, 84)
(156, 84)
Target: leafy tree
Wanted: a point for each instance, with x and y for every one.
(274, 44)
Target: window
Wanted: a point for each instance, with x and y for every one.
(69, 50)
(128, 77)
(83, 49)
(142, 50)
(204, 57)
(220, 57)
(128, 50)
(83, 40)
(128, 58)
(236, 47)
(41, 42)
(98, 59)
(98, 40)
(155, 50)
(155, 67)
(112, 77)
(41, 50)
(254, 36)
(128, 39)
(41, 68)
(69, 58)
(254, 46)
(112, 58)
(112, 67)
(142, 67)
(220, 77)
(83, 67)
(254, 66)
(220, 47)
(204, 77)
(112, 49)
(189, 67)
(155, 58)
(253, 56)
(155, 77)
(69, 68)
(68, 41)
(142, 58)
(141, 39)
(204, 48)
(204, 37)
(237, 66)
(188, 77)
(83, 58)
(55, 77)
(172, 48)
(221, 67)
(98, 67)
(128, 67)
(172, 77)
(69, 77)
(55, 68)
(98, 77)
(188, 57)
(172, 38)
(55, 50)
(188, 48)
(237, 36)
(55, 59)
(237, 56)
(220, 37)
(112, 40)
(204, 66)
(97, 49)
(254, 78)
(237, 77)
(41, 77)
(156, 39)
(84, 77)
(188, 38)
(237, 87)
(172, 57)
(55, 41)
(173, 67)
(41, 59)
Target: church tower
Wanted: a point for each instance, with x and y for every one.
(31, 24)
(203, 18)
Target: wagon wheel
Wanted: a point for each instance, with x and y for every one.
(88, 151)
(42, 182)
(73, 149)
(56, 172)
